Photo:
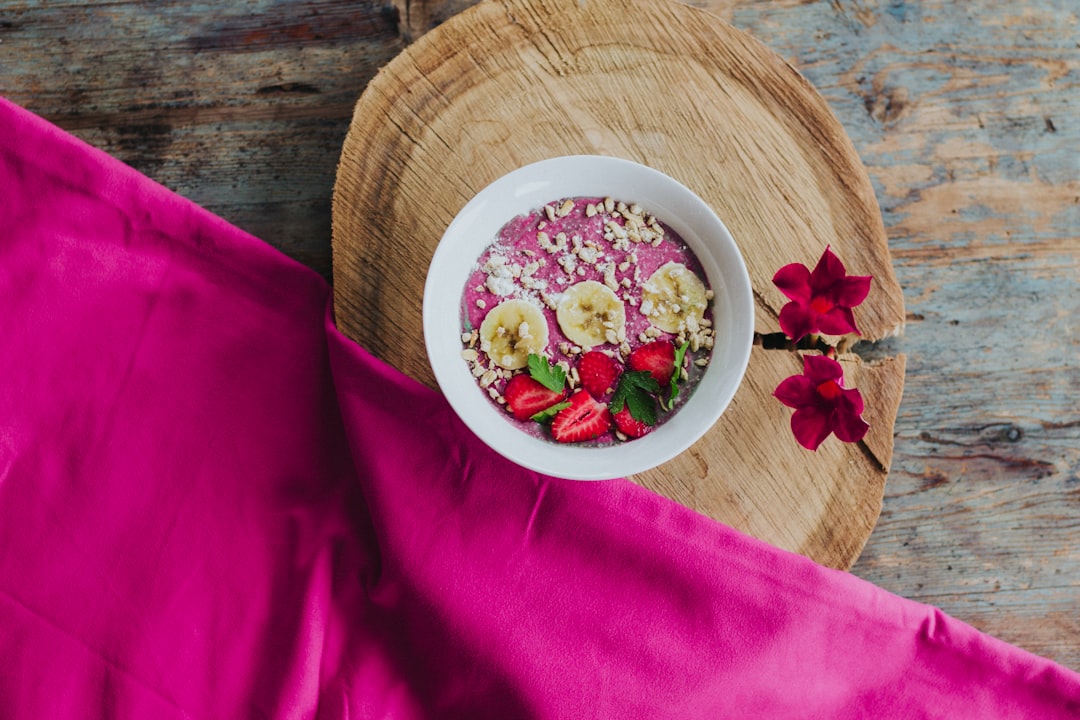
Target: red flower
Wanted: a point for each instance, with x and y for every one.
(822, 404)
(821, 300)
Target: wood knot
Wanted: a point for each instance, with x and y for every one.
(888, 105)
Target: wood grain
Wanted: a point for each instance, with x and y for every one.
(508, 83)
(952, 106)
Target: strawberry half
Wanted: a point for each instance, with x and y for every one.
(598, 373)
(525, 397)
(629, 425)
(657, 357)
(585, 419)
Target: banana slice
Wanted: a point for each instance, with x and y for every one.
(511, 330)
(674, 298)
(590, 313)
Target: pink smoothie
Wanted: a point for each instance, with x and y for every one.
(537, 256)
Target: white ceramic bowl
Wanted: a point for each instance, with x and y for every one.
(527, 189)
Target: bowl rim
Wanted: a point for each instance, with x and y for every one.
(526, 189)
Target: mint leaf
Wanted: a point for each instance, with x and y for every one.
(642, 407)
(676, 377)
(635, 390)
(546, 415)
(542, 371)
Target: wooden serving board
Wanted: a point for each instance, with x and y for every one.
(509, 82)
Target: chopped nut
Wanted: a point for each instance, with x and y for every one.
(480, 303)
(469, 355)
(550, 212)
(611, 337)
(590, 210)
(466, 337)
(701, 362)
(565, 208)
(587, 254)
(487, 378)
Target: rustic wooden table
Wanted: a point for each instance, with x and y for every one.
(963, 113)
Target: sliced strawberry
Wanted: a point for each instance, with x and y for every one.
(598, 373)
(657, 357)
(585, 419)
(525, 397)
(629, 425)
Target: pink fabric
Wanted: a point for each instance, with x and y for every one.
(212, 505)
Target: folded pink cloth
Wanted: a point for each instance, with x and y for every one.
(213, 505)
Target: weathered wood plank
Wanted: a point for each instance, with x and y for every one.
(963, 113)
(239, 107)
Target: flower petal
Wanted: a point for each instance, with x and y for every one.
(796, 391)
(828, 271)
(838, 321)
(796, 320)
(794, 281)
(810, 427)
(852, 290)
(819, 369)
(851, 402)
(849, 428)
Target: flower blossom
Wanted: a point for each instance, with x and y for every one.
(821, 300)
(822, 404)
